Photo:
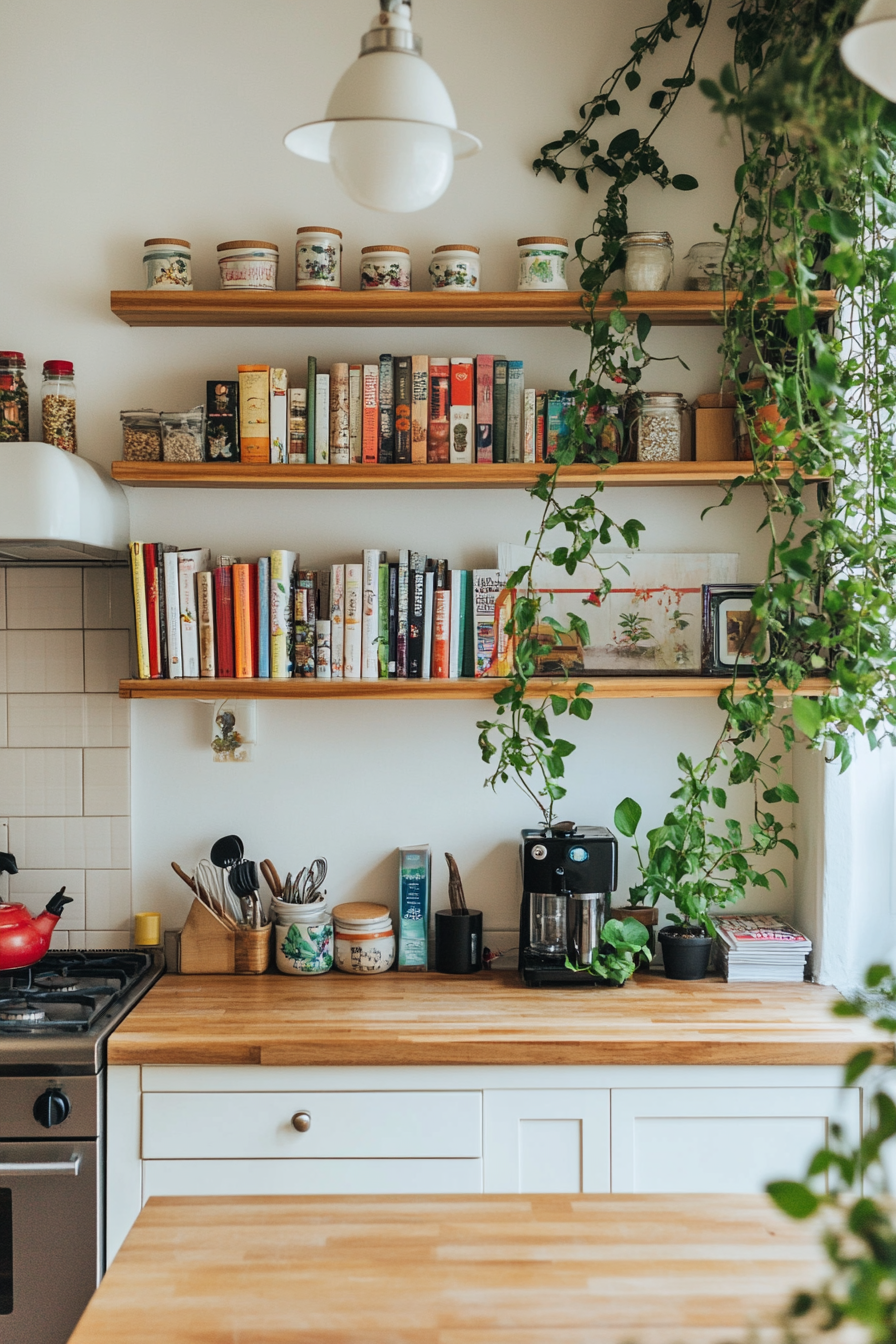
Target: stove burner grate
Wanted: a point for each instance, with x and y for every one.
(21, 1010)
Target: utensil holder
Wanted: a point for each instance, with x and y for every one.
(458, 942)
(208, 946)
(252, 950)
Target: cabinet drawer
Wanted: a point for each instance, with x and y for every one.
(343, 1124)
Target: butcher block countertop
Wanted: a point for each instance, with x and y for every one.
(407, 1018)
(451, 1269)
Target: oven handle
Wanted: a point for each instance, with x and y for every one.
(71, 1168)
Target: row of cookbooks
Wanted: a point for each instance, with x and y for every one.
(411, 617)
(403, 409)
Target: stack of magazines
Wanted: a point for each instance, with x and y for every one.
(760, 947)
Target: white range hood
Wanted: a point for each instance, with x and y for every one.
(58, 508)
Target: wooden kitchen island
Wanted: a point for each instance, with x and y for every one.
(507, 1269)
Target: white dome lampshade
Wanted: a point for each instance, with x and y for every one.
(390, 131)
(869, 48)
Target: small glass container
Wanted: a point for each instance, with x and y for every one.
(57, 403)
(318, 258)
(648, 261)
(182, 435)
(248, 264)
(142, 436)
(303, 937)
(168, 263)
(705, 266)
(365, 940)
(385, 266)
(658, 427)
(547, 922)
(455, 266)
(13, 398)
(542, 263)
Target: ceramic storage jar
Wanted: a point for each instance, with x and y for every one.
(385, 266)
(303, 937)
(247, 264)
(167, 263)
(318, 257)
(365, 941)
(542, 263)
(455, 266)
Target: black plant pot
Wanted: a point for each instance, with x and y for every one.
(684, 958)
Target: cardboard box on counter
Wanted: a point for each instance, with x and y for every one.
(714, 434)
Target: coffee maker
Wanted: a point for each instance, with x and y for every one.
(568, 873)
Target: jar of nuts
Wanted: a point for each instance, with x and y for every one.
(182, 435)
(57, 396)
(658, 427)
(142, 435)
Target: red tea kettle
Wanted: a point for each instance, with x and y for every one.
(24, 940)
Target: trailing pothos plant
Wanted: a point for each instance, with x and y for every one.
(814, 205)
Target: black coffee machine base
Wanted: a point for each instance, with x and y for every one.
(546, 972)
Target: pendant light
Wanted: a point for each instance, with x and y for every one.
(389, 131)
(869, 48)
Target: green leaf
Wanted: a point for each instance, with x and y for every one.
(793, 1198)
(806, 715)
(624, 143)
(581, 708)
(627, 817)
(858, 1065)
(617, 321)
(632, 79)
(643, 328)
(684, 182)
(719, 797)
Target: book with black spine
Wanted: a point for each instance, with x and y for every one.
(387, 410)
(416, 572)
(393, 619)
(429, 582)
(499, 448)
(402, 376)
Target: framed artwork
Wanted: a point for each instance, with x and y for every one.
(730, 629)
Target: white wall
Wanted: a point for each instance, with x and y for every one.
(129, 120)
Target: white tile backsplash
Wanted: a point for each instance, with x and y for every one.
(43, 782)
(2, 660)
(107, 659)
(67, 721)
(107, 781)
(44, 660)
(3, 716)
(59, 941)
(109, 899)
(70, 842)
(101, 940)
(2, 599)
(108, 600)
(44, 599)
(35, 886)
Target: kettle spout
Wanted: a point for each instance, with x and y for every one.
(8, 863)
(57, 903)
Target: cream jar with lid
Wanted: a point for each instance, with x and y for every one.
(365, 940)
(168, 263)
(455, 266)
(542, 263)
(385, 266)
(318, 257)
(303, 937)
(248, 264)
(648, 261)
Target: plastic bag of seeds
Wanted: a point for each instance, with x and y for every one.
(182, 435)
(141, 436)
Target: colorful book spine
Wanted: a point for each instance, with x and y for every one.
(556, 432)
(429, 580)
(370, 426)
(138, 582)
(311, 408)
(540, 424)
(392, 619)
(467, 627)
(337, 619)
(255, 412)
(401, 634)
(322, 418)
(279, 416)
(387, 410)
(323, 652)
(514, 410)
(298, 426)
(419, 406)
(499, 448)
(283, 564)
(175, 667)
(340, 448)
(264, 616)
(437, 449)
(488, 585)
(189, 564)
(382, 648)
(414, 896)
(153, 621)
(205, 602)
(355, 413)
(243, 634)
(416, 575)
(529, 424)
(163, 609)
(461, 414)
(305, 598)
(224, 620)
(485, 376)
(441, 624)
(454, 645)
(370, 615)
(354, 595)
(402, 376)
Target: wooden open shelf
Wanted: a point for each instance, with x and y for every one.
(304, 308)
(467, 688)
(424, 476)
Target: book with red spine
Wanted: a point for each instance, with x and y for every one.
(253, 616)
(370, 413)
(154, 640)
(243, 643)
(485, 369)
(439, 408)
(461, 414)
(224, 619)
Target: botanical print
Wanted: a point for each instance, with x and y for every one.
(172, 271)
(317, 261)
(457, 273)
(309, 947)
(392, 276)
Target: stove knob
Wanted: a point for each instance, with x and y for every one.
(52, 1107)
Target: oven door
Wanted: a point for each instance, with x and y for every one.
(49, 1242)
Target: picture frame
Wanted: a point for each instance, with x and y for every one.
(728, 623)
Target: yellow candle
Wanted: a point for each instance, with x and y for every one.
(147, 929)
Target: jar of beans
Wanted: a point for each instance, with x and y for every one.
(182, 435)
(57, 398)
(658, 427)
(142, 436)
(13, 398)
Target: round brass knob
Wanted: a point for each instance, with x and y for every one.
(301, 1121)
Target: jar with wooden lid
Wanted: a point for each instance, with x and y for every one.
(385, 266)
(648, 261)
(658, 427)
(455, 266)
(57, 403)
(13, 398)
(168, 263)
(246, 263)
(365, 939)
(318, 257)
(542, 263)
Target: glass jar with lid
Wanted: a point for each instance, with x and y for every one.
(648, 261)
(141, 435)
(57, 403)
(13, 398)
(658, 427)
(705, 266)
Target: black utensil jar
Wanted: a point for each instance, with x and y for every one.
(458, 942)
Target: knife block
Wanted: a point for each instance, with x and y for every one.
(208, 946)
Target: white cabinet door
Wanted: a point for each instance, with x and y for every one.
(724, 1140)
(551, 1142)
(310, 1176)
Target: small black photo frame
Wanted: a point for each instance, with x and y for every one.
(729, 630)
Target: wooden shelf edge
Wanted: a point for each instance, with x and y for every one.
(468, 688)
(423, 476)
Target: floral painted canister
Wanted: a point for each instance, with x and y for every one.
(542, 263)
(455, 266)
(167, 263)
(385, 266)
(248, 264)
(365, 940)
(303, 938)
(318, 258)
